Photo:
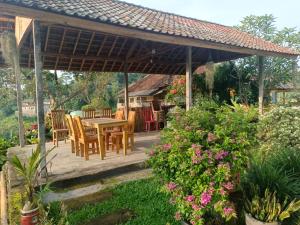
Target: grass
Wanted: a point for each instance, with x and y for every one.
(142, 197)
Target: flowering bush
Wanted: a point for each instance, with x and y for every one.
(279, 129)
(201, 157)
(176, 93)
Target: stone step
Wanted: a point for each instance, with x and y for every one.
(100, 184)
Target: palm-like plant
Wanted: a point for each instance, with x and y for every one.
(30, 171)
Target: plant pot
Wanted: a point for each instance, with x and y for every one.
(30, 217)
(252, 221)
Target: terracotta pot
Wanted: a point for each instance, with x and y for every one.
(30, 217)
(252, 221)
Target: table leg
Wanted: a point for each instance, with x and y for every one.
(125, 140)
(101, 142)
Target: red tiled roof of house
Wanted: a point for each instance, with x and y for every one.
(137, 17)
(151, 82)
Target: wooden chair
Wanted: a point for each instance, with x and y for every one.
(119, 115)
(73, 134)
(106, 113)
(158, 114)
(87, 142)
(118, 136)
(149, 119)
(88, 113)
(59, 128)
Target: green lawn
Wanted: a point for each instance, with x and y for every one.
(143, 197)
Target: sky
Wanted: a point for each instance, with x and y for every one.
(230, 12)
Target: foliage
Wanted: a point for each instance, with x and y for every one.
(201, 156)
(279, 129)
(176, 94)
(269, 209)
(278, 70)
(29, 172)
(4, 145)
(14, 207)
(267, 183)
(145, 200)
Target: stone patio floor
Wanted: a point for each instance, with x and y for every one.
(66, 165)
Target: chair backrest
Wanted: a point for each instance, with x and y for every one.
(119, 115)
(88, 113)
(71, 127)
(147, 114)
(58, 119)
(80, 127)
(131, 121)
(106, 113)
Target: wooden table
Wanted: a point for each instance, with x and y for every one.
(100, 124)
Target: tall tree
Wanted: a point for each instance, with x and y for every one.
(278, 70)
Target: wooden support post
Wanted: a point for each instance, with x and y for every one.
(188, 97)
(126, 109)
(261, 78)
(19, 101)
(295, 74)
(39, 92)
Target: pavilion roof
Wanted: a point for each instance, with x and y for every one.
(138, 17)
(99, 35)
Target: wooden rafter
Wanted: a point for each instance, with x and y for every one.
(90, 43)
(119, 52)
(47, 38)
(60, 48)
(98, 52)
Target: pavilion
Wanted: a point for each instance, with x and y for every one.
(115, 36)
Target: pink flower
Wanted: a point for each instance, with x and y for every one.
(171, 186)
(222, 192)
(190, 198)
(229, 186)
(228, 211)
(196, 207)
(205, 198)
(196, 160)
(211, 137)
(151, 153)
(177, 216)
(167, 147)
(198, 152)
(221, 155)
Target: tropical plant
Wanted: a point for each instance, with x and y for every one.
(30, 172)
(200, 161)
(269, 208)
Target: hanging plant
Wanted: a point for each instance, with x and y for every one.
(209, 76)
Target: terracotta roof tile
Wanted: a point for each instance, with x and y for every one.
(138, 17)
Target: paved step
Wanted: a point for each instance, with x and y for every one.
(101, 185)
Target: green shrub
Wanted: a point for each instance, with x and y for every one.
(201, 156)
(4, 145)
(279, 129)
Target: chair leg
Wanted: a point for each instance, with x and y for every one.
(86, 151)
(118, 144)
(132, 142)
(81, 149)
(77, 149)
(72, 146)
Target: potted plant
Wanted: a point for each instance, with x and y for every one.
(268, 194)
(30, 172)
(268, 210)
